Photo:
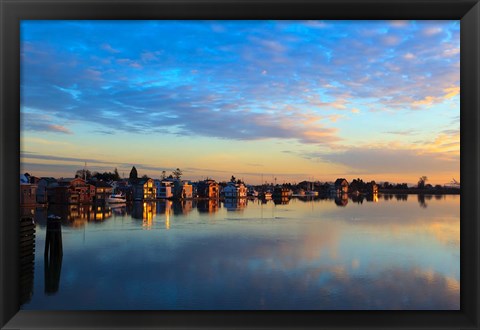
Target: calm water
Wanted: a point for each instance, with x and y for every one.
(397, 252)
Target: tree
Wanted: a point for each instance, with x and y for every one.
(233, 179)
(84, 174)
(164, 175)
(144, 176)
(116, 176)
(422, 181)
(133, 174)
(177, 173)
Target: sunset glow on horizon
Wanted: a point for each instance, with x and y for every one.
(261, 100)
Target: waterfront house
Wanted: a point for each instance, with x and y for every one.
(28, 192)
(164, 188)
(103, 190)
(372, 188)
(71, 191)
(235, 190)
(208, 189)
(281, 192)
(43, 184)
(341, 186)
(182, 189)
(144, 189)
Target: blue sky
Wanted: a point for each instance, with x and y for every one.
(287, 99)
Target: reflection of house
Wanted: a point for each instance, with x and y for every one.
(164, 189)
(235, 204)
(182, 206)
(71, 191)
(144, 189)
(43, 184)
(341, 200)
(341, 186)
(208, 206)
(235, 190)
(281, 192)
(208, 189)
(182, 189)
(164, 207)
(281, 200)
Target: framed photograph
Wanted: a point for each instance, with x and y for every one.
(240, 164)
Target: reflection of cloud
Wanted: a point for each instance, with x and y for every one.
(194, 275)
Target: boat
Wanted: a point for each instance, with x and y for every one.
(116, 199)
(53, 217)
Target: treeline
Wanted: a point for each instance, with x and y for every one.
(115, 176)
(105, 176)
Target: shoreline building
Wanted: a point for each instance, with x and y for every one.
(208, 189)
(164, 189)
(103, 190)
(182, 189)
(71, 191)
(28, 192)
(341, 186)
(144, 189)
(235, 190)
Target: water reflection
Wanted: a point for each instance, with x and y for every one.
(235, 204)
(308, 253)
(421, 201)
(281, 200)
(341, 200)
(208, 205)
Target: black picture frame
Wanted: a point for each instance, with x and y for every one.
(12, 11)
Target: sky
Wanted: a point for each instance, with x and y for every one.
(282, 101)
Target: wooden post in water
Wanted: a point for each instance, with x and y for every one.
(27, 258)
(53, 256)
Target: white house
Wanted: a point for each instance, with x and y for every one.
(235, 190)
(164, 189)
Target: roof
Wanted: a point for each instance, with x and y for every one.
(49, 179)
(142, 181)
(101, 184)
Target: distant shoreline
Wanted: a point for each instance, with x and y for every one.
(451, 191)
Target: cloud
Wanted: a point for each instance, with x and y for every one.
(430, 31)
(252, 81)
(42, 123)
(442, 154)
(109, 48)
(32, 155)
(407, 132)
